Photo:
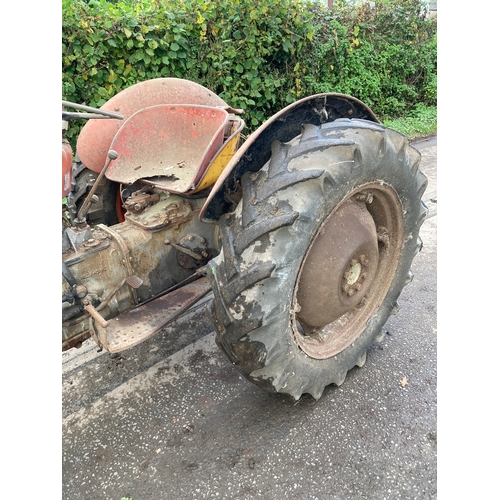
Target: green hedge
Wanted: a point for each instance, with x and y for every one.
(259, 55)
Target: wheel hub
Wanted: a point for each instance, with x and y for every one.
(353, 274)
(347, 270)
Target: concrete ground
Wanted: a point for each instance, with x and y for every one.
(172, 419)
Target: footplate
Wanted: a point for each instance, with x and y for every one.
(138, 324)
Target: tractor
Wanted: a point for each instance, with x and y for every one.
(304, 231)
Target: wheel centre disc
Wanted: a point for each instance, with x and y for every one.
(339, 266)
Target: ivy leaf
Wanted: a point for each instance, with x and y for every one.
(287, 46)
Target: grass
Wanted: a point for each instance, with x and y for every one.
(419, 123)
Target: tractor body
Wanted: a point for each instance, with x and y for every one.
(165, 159)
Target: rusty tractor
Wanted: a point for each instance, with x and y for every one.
(304, 232)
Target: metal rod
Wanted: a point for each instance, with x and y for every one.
(68, 275)
(112, 155)
(199, 272)
(83, 116)
(109, 114)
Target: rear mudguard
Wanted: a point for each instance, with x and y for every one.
(283, 126)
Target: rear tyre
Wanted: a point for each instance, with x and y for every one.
(316, 254)
(107, 207)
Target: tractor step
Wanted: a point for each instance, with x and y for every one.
(138, 324)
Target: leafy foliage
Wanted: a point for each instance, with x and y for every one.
(420, 122)
(259, 55)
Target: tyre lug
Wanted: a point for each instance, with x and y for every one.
(361, 360)
(358, 286)
(351, 292)
(340, 380)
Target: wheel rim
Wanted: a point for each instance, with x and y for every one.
(347, 270)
